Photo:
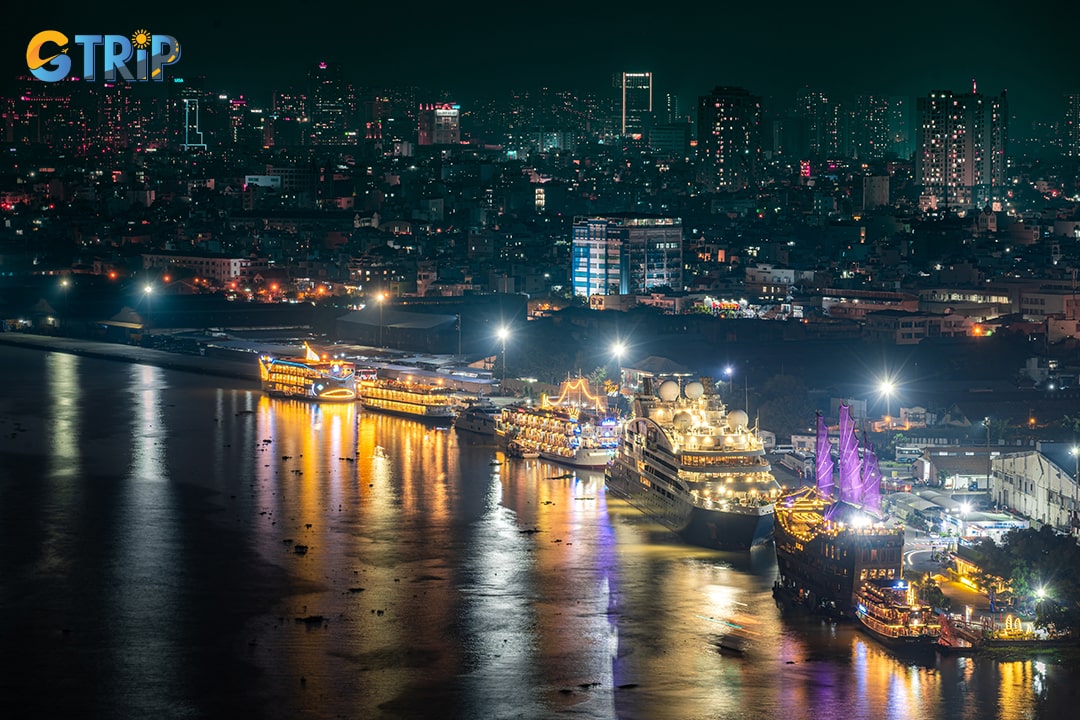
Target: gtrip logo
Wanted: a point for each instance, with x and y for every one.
(48, 58)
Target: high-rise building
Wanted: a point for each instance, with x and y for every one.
(187, 104)
(880, 127)
(636, 103)
(821, 120)
(729, 138)
(288, 122)
(328, 105)
(960, 155)
(1072, 124)
(439, 124)
(626, 254)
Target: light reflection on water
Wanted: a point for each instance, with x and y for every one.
(436, 581)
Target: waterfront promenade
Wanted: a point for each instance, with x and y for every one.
(132, 354)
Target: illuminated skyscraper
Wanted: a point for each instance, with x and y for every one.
(1072, 124)
(729, 138)
(635, 103)
(328, 105)
(626, 254)
(439, 124)
(820, 122)
(880, 127)
(960, 156)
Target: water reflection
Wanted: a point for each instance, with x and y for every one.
(433, 582)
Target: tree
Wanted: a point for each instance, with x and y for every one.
(785, 406)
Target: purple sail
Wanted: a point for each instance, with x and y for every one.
(871, 490)
(824, 463)
(850, 482)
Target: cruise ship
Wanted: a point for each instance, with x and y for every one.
(417, 400)
(695, 467)
(574, 429)
(831, 537)
(309, 377)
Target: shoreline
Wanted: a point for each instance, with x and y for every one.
(135, 355)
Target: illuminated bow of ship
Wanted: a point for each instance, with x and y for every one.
(311, 377)
(695, 467)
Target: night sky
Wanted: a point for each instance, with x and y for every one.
(486, 48)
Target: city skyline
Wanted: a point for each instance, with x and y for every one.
(845, 50)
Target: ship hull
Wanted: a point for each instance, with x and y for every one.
(717, 529)
(584, 461)
(476, 424)
(307, 397)
(911, 643)
(446, 418)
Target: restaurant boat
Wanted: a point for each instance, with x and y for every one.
(698, 469)
(573, 429)
(408, 398)
(830, 540)
(308, 377)
(889, 612)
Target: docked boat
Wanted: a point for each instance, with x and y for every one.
(831, 537)
(698, 469)
(308, 377)
(888, 611)
(416, 400)
(573, 429)
(478, 417)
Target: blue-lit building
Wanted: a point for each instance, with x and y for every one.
(626, 254)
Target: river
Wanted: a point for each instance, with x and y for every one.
(180, 546)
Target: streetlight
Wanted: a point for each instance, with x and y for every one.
(147, 292)
(503, 333)
(64, 284)
(989, 462)
(380, 299)
(727, 374)
(617, 350)
(1075, 450)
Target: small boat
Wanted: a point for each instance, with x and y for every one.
(888, 611)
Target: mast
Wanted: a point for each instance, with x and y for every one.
(871, 490)
(849, 457)
(823, 463)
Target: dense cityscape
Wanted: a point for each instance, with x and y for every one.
(852, 319)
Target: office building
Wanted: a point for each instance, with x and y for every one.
(439, 124)
(626, 254)
(636, 103)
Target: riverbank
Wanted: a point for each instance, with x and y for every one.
(136, 355)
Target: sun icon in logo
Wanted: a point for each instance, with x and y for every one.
(140, 39)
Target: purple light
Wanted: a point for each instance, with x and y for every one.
(849, 457)
(823, 463)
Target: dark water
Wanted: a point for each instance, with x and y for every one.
(149, 521)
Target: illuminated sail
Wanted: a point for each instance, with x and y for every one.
(871, 489)
(311, 355)
(849, 458)
(824, 463)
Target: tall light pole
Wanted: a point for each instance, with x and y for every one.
(147, 292)
(381, 299)
(986, 422)
(886, 388)
(1075, 450)
(503, 333)
(727, 376)
(64, 284)
(617, 350)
